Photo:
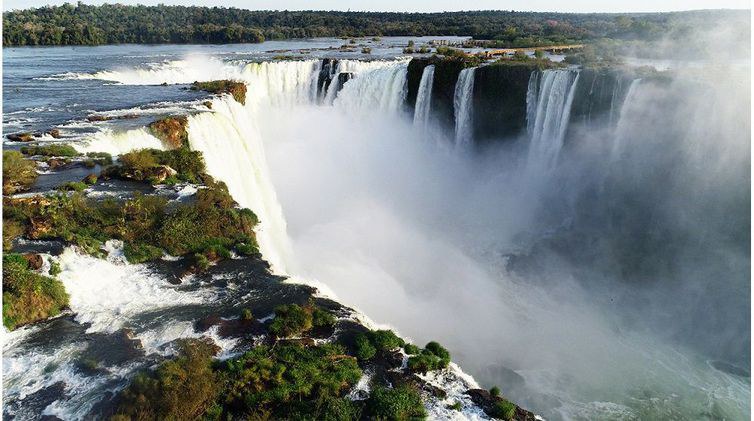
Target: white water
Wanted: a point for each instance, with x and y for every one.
(548, 117)
(107, 293)
(620, 129)
(117, 143)
(462, 107)
(380, 88)
(234, 153)
(424, 98)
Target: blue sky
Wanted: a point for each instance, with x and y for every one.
(432, 5)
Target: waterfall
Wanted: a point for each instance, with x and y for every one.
(424, 98)
(620, 129)
(282, 83)
(548, 117)
(376, 87)
(462, 107)
(234, 153)
(117, 143)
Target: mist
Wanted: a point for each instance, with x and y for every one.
(612, 282)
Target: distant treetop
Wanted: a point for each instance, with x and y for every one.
(81, 24)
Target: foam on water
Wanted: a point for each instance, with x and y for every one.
(108, 293)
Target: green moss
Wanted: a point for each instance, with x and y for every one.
(141, 252)
(50, 150)
(503, 409)
(237, 89)
(432, 357)
(456, 406)
(28, 296)
(247, 315)
(76, 186)
(100, 158)
(55, 268)
(400, 403)
(411, 349)
(495, 391)
(291, 320)
(18, 173)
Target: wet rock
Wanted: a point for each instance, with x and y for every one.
(20, 137)
(90, 179)
(237, 89)
(203, 324)
(94, 118)
(487, 402)
(57, 163)
(35, 260)
(55, 133)
(171, 131)
(207, 104)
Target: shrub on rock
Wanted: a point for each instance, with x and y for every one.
(18, 173)
(29, 297)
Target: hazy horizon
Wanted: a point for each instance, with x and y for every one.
(576, 6)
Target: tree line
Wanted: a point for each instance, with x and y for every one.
(81, 24)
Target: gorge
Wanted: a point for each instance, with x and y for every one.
(576, 235)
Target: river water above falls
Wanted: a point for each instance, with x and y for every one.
(595, 266)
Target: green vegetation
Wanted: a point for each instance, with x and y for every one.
(411, 349)
(432, 357)
(18, 173)
(100, 158)
(76, 186)
(49, 150)
(503, 409)
(150, 165)
(28, 296)
(401, 403)
(495, 391)
(181, 389)
(287, 381)
(293, 320)
(237, 89)
(171, 131)
(81, 24)
(456, 406)
(377, 341)
(145, 224)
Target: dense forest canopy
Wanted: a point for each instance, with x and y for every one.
(81, 24)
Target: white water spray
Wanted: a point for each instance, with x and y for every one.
(550, 119)
(462, 99)
(424, 98)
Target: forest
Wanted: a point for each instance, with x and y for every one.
(82, 24)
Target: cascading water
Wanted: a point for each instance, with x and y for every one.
(548, 117)
(234, 153)
(462, 107)
(618, 137)
(424, 98)
(378, 87)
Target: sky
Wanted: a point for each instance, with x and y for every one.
(431, 5)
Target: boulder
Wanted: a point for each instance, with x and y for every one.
(98, 118)
(90, 179)
(55, 133)
(171, 131)
(20, 137)
(35, 260)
